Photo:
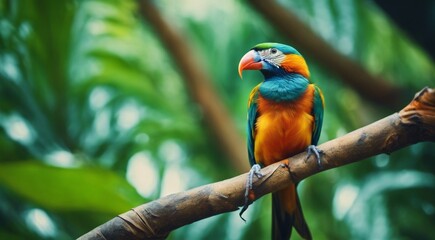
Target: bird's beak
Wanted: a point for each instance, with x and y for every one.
(250, 61)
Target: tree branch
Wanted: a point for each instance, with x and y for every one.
(371, 87)
(156, 219)
(198, 83)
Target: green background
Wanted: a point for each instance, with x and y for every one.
(95, 118)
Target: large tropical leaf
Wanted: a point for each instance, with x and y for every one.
(69, 189)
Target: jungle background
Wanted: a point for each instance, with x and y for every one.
(97, 116)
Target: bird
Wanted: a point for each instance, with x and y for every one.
(285, 115)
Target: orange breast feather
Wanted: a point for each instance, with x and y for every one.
(283, 129)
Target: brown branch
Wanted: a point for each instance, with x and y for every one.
(198, 82)
(371, 87)
(155, 220)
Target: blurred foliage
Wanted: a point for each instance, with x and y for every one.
(95, 118)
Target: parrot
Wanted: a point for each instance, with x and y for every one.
(285, 114)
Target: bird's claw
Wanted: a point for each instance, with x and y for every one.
(317, 153)
(255, 170)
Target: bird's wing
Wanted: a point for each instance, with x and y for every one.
(252, 119)
(318, 106)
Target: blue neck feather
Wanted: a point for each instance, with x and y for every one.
(283, 86)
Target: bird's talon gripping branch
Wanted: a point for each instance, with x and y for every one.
(255, 170)
(317, 153)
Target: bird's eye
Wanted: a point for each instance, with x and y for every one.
(273, 50)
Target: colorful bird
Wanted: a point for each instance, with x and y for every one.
(285, 114)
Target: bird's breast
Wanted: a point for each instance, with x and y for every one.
(283, 129)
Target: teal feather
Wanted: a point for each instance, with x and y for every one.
(252, 118)
(318, 106)
(282, 47)
(286, 87)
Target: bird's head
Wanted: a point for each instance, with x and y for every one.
(274, 58)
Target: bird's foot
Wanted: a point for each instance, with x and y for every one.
(255, 170)
(317, 153)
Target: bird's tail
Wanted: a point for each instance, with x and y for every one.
(286, 214)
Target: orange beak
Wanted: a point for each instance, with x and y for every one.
(250, 61)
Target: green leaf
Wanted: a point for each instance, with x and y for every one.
(69, 189)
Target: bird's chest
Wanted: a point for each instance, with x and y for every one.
(282, 129)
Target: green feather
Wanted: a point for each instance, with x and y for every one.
(252, 118)
(318, 107)
(282, 47)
